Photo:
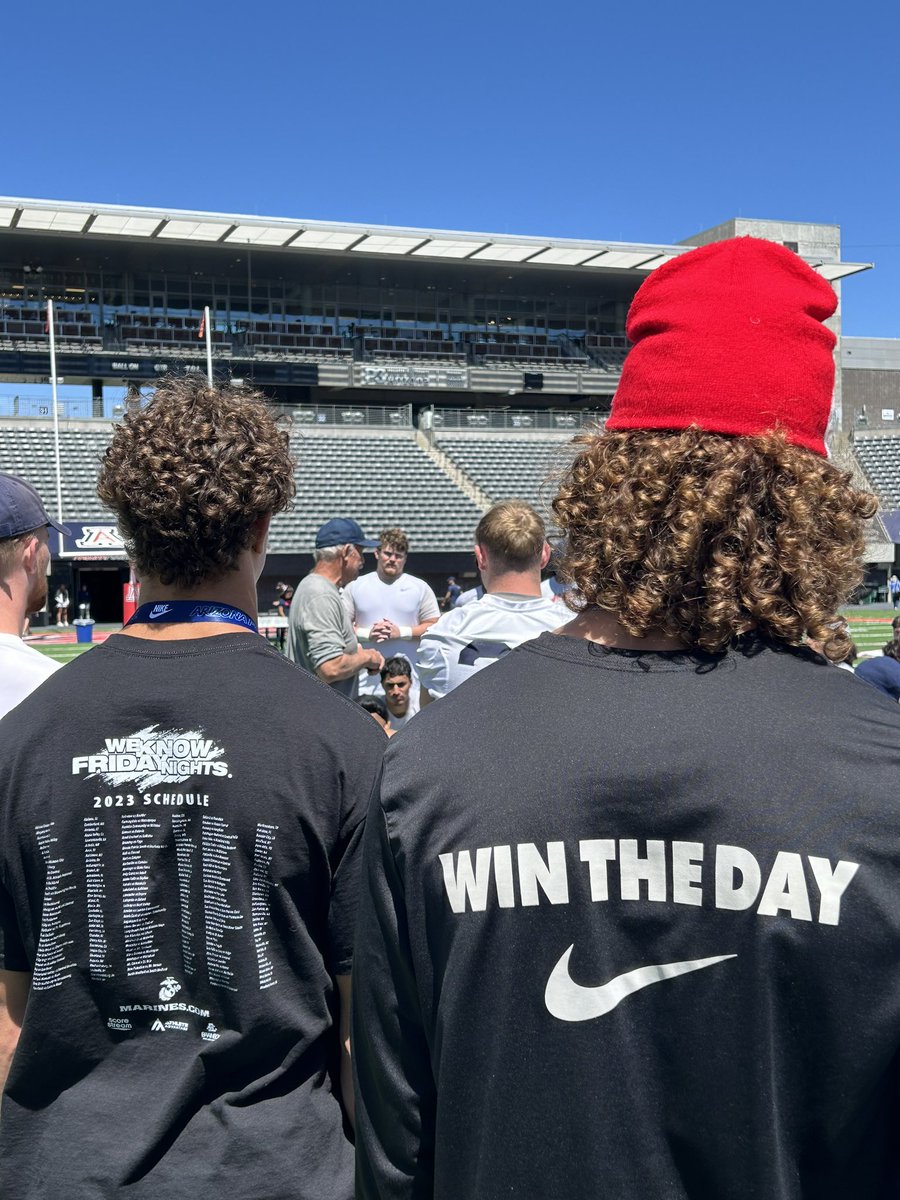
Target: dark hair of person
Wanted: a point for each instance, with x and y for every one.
(396, 539)
(706, 537)
(374, 704)
(190, 474)
(892, 649)
(398, 665)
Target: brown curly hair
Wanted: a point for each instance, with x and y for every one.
(707, 537)
(188, 476)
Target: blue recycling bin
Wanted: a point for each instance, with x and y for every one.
(84, 630)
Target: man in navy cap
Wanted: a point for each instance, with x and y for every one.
(24, 557)
(320, 633)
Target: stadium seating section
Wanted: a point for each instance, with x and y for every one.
(24, 327)
(510, 465)
(379, 479)
(880, 459)
(379, 476)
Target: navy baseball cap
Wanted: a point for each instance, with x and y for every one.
(21, 509)
(341, 531)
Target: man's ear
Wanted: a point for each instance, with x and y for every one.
(480, 557)
(31, 554)
(261, 534)
(545, 555)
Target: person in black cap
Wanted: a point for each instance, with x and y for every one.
(24, 558)
(320, 633)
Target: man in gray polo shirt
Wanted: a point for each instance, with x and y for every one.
(320, 635)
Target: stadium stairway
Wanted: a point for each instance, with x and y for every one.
(507, 464)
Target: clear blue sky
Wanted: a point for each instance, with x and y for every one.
(631, 120)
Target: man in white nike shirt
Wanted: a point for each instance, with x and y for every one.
(632, 903)
(511, 550)
(390, 610)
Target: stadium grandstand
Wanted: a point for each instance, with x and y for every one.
(427, 372)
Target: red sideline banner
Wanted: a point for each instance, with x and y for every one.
(131, 595)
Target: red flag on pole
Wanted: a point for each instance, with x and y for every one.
(47, 320)
(202, 329)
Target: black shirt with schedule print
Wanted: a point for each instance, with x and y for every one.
(629, 929)
(180, 827)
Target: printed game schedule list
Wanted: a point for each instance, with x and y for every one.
(155, 882)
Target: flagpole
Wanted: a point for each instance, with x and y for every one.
(209, 374)
(50, 323)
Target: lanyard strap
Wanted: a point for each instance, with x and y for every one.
(191, 611)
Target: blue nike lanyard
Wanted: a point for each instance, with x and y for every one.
(190, 612)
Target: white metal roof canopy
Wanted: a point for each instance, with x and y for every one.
(172, 225)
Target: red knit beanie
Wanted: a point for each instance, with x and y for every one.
(730, 337)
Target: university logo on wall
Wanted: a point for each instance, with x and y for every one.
(91, 539)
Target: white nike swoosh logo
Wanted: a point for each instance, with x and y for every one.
(569, 1001)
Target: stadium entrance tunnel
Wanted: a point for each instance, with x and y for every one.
(105, 585)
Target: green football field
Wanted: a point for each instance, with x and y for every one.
(870, 626)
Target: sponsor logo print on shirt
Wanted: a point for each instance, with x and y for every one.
(152, 756)
(210, 1033)
(160, 1027)
(169, 988)
(570, 1001)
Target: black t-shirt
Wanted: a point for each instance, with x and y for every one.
(179, 869)
(632, 931)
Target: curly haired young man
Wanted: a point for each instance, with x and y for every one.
(640, 939)
(176, 900)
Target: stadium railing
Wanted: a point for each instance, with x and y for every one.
(354, 417)
(483, 419)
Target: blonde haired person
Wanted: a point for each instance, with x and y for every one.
(511, 550)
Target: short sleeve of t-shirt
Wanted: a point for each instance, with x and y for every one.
(327, 626)
(348, 601)
(428, 605)
(12, 952)
(433, 659)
